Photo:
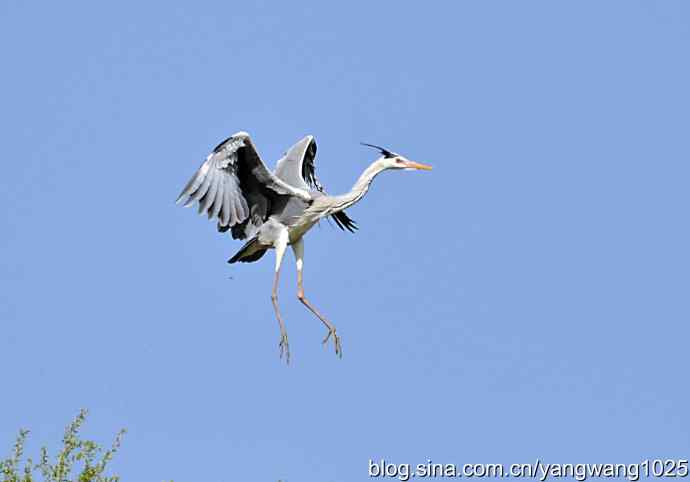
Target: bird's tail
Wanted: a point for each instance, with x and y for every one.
(251, 251)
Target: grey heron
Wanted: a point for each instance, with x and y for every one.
(273, 210)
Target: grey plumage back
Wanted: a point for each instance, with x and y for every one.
(297, 168)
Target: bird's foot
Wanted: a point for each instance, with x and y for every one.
(284, 348)
(336, 342)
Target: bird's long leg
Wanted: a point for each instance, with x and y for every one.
(280, 245)
(298, 249)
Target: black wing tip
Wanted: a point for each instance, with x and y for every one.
(308, 167)
(384, 151)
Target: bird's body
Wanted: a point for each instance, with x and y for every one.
(273, 210)
(292, 217)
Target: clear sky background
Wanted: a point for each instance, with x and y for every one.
(527, 298)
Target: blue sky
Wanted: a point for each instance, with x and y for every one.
(527, 298)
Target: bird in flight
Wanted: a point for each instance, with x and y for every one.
(273, 210)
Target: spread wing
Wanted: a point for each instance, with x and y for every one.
(296, 168)
(234, 183)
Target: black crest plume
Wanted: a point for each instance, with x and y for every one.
(385, 152)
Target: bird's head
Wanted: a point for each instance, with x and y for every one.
(391, 160)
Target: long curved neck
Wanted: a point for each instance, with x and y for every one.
(361, 186)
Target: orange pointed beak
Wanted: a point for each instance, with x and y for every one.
(417, 165)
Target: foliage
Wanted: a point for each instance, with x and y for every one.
(78, 460)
